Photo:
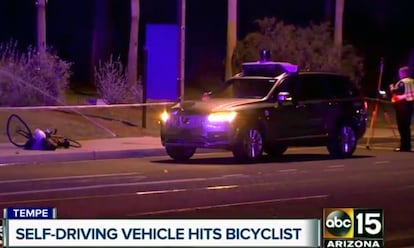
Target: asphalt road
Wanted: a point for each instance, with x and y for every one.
(299, 185)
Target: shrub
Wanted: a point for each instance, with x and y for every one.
(112, 85)
(311, 47)
(30, 78)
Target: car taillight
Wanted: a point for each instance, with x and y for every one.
(365, 105)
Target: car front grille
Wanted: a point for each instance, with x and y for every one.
(187, 121)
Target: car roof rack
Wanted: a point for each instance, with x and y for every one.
(268, 68)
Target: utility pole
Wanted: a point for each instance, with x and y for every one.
(181, 49)
(41, 26)
(231, 35)
(339, 12)
(133, 44)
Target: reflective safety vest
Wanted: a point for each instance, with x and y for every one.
(408, 94)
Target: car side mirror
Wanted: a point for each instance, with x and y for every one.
(206, 96)
(382, 94)
(284, 97)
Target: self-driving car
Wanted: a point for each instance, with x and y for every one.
(267, 108)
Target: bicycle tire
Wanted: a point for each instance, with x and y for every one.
(73, 143)
(59, 139)
(21, 130)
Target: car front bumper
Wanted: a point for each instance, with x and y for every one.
(207, 135)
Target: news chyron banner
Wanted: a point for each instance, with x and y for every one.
(39, 227)
(23, 213)
(1, 233)
(353, 227)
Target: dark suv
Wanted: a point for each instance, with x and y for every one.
(269, 107)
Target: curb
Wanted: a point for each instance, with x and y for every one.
(69, 156)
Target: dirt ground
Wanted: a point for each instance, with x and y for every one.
(88, 123)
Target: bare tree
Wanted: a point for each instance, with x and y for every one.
(339, 12)
(182, 5)
(231, 35)
(133, 44)
(41, 25)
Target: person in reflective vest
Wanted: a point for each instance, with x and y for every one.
(402, 99)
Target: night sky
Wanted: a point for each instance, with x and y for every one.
(378, 28)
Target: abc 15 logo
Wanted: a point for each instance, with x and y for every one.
(348, 223)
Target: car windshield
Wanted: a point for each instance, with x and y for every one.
(244, 88)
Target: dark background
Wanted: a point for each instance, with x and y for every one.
(378, 28)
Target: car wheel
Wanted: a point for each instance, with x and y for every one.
(342, 142)
(275, 150)
(249, 145)
(180, 153)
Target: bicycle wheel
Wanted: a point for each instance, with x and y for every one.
(18, 132)
(65, 142)
(74, 143)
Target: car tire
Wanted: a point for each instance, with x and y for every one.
(248, 145)
(179, 153)
(275, 151)
(342, 142)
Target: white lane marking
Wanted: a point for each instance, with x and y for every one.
(382, 162)
(218, 187)
(336, 166)
(118, 195)
(161, 191)
(299, 198)
(288, 170)
(67, 178)
(221, 187)
(235, 175)
(7, 164)
(64, 189)
(99, 186)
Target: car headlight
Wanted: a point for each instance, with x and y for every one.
(165, 116)
(222, 116)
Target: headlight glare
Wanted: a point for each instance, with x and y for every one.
(165, 116)
(222, 116)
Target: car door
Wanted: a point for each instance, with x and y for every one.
(341, 104)
(286, 118)
(312, 103)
